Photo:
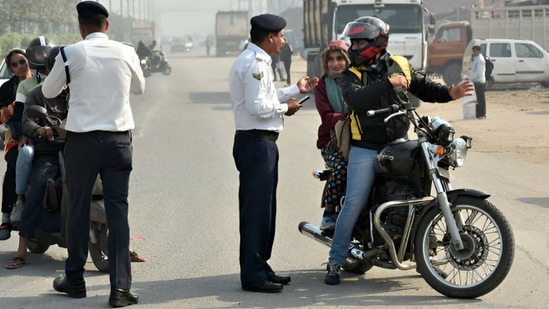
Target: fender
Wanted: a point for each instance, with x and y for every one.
(452, 196)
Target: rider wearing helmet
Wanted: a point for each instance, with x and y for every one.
(368, 85)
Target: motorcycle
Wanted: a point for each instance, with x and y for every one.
(145, 66)
(57, 201)
(159, 63)
(460, 243)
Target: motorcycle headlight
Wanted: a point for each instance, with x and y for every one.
(459, 153)
(443, 130)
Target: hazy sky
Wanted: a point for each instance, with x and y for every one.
(177, 17)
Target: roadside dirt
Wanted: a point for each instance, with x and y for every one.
(517, 123)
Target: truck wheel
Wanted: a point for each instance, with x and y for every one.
(452, 74)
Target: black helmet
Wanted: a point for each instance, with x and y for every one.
(50, 60)
(37, 52)
(369, 28)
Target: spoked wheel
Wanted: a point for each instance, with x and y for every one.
(484, 262)
(98, 246)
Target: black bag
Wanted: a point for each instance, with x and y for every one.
(489, 68)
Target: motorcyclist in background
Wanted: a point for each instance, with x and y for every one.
(143, 51)
(368, 85)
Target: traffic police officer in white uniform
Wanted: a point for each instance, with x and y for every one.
(259, 110)
(100, 73)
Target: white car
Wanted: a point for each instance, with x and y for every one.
(515, 61)
(4, 73)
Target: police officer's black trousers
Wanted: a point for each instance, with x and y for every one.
(108, 154)
(9, 197)
(256, 159)
(480, 89)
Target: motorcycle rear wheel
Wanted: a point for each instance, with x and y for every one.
(38, 246)
(484, 262)
(98, 246)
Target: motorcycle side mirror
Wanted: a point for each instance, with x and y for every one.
(36, 111)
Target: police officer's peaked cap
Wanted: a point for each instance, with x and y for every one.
(268, 22)
(91, 8)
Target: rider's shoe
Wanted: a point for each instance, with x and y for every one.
(332, 274)
(5, 230)
(328, 221)
(17, 211)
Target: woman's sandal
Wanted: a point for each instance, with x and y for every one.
(14, 263)
(136, 258)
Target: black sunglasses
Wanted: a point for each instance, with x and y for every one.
(20, 62)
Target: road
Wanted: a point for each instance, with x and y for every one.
(184, 217)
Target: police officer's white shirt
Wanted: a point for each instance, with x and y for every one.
(102, 74)
(257, 104)
(478, 69)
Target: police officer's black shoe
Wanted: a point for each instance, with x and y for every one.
(264, 287)
(274, 278)
(72, 289)
(122, 298)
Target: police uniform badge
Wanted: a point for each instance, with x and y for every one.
(258, 76)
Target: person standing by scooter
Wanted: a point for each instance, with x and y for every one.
(18, 65)
(98, 143)
(45, 165)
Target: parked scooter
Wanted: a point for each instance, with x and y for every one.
(57, 201)
(460, 243)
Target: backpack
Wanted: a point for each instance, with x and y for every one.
(489, 68)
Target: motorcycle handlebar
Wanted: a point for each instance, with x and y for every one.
(388, 110)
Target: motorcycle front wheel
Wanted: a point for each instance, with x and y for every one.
(98, 246)
(486, 259)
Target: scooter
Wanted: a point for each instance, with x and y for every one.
(57, 200)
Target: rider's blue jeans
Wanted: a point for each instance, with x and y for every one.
(23, 168)
(361, 172)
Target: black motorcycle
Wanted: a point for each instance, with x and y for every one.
(459, 242)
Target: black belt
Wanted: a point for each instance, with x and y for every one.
(271, 135)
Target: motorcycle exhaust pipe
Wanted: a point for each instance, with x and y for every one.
(314, 232)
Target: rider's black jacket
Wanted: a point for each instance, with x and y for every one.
(368, 88)
(55, 107)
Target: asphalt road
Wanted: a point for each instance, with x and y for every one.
(184, 215)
